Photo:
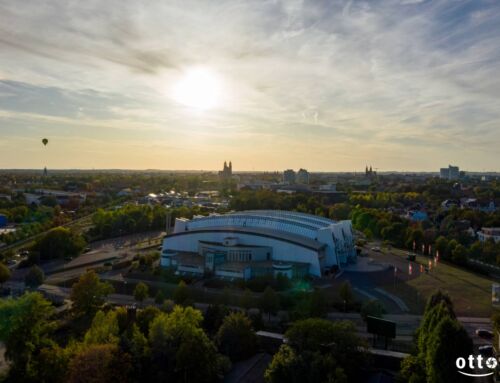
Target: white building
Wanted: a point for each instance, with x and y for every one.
(260, 242)
(487, 233)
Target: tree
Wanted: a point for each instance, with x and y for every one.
(59, 243)
(181, 293)
(89, 292)
(213, 317)
(4, 274)
(317, 351)
(449, 341)
(340, 211)
(180, 350)
(145, 317)
(373, 308)
(441, 245)
(283, 367)
(52, 363)
(104, 329)
(318, 304)
(269, 301)
(441, 339)
(135, 343)
(346, 293)
(246, 300)
(160, 297)
(34, 277)
(436, 298)
(141, 292)
(100, 363)
(459, 255)
(236, 337)
(24, 328)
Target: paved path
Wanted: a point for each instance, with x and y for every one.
(397, 300)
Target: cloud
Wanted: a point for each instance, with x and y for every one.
(342, 82)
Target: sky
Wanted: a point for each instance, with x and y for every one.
(408, 85)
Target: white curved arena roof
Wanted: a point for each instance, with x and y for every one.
(285, 221)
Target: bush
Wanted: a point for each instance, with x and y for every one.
(372, 308)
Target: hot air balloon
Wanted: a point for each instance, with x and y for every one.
(45, 142)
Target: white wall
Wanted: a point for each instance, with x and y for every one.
(282, 251)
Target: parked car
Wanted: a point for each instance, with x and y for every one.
(486, 350)
(411, 257)
(376, 249)
(483, 333)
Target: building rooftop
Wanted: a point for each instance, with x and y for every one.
(302, 224)
(296, 239)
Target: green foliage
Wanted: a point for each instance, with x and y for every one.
(318, 304)
(34, 277)
(52, 363)
(181, 294)
(439, 297)
(246, 300)
(441, 339)
(145, 317)
(346, 293)
(317, 351)
(4, 274)
(448, 341)
(413, 370)
(159, 297)
(128, 220)
(459, 255)
(339, 211)
(135, 343)
(283, 367)
(100, 363)
(373, 308)
(24, 328)
(141, 292)
(180, 350)
(104, 329)
(59, 243)
(88, 293)
(213, 317)
(236, 337)
(168, 306)
(269, 301)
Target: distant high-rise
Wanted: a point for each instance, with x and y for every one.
(302, 176)
(227, 171)
(289, 177)
(450, 173)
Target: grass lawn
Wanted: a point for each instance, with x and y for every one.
(470, 292)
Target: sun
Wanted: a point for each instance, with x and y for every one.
(199, 88)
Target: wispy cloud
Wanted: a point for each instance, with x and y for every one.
(325, 85)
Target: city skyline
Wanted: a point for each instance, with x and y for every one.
(403, 85)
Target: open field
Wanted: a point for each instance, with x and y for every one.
(470, 292)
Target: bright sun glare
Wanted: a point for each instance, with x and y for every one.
(199, 88)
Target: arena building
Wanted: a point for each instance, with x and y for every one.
(261, 242)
